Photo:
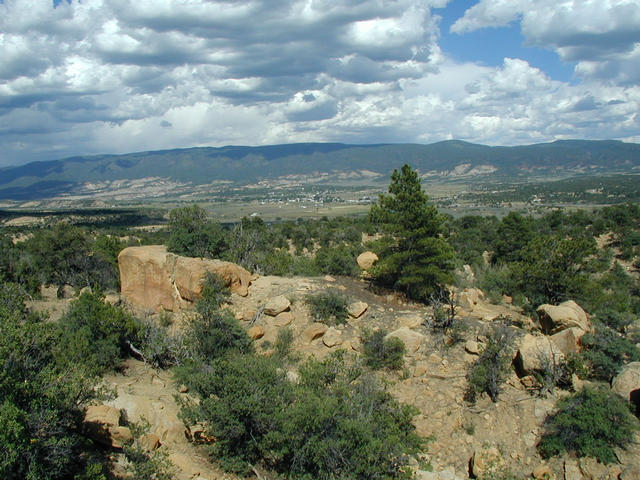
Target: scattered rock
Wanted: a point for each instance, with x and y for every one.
(542, 472)
(66, 291)
(486, 461)
(332, 337)
(247, 315)
(411, 321)
(329, 278)
(283, 319)
(554, 318)
(630, 473)
(627, 384)
(571, 470)
(315, 330)
(592, 469)
(183, 389)
(506, 299)
(149, 442)
(472, 347)
(256, 332)
(412, 340)
(277, 305)
(366, 260)
(356, 309)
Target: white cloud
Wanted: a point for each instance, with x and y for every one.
(602, 36)
(116, 76)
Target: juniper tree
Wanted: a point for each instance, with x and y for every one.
(413, 257)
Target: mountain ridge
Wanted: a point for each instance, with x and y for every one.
(249, 164)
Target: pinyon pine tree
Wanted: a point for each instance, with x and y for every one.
(414, 258)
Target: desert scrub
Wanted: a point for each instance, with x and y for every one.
(380, 352)
(328, 307)
(590, 423)
(489, 371)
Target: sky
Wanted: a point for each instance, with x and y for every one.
(116, 76)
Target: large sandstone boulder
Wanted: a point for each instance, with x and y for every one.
(153, 279)
(536, 353)
(102, 424)
(554, 318)
(412, 340)
(627, 384)
(366, 260)
(568, 341)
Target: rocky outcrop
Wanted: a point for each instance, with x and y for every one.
(412, 340)
(555, 318)
(469, 298)
(102, 424)
(366, 260)
(627, 384)
(568, 341)
(153, 279)
(536, 353)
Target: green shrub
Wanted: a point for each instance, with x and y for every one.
(40, 400)
(328, 307)
(334, 424)
(160, 348)
(95, 334)
(590, 423)
(193, 235)
(379, 352)
(215, 333)
(489, 371)
(605, 352)
(284, 343)
(241, 400)
(338, 260)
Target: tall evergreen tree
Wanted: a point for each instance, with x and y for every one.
(414, 258)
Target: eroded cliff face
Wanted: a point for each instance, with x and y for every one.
(153, 279)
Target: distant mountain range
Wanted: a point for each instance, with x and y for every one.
(315, 163)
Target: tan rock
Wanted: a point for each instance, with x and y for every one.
(189, 275)
(627, 384)
(486, 461)
(411, 321)
(571, 470)
(506, 299)
(542, 472)
(153, 279)
(568, 340)
(631, 472)
(120, 436)
(283, 319)
(469, 298)
(536, 353)
(357, 309)
(472, 347)
(256, 332)
(102, 424)
(332, 337)
(149, 442)
(315, 330)
(277, 305)
(412, 340)
(113, 299)
(366, 260)
(554, 318)
(592, 469)
(247, 315)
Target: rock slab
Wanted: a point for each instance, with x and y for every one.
(153, 279)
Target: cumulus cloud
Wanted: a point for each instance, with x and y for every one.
(116, 76)
(602, 36)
